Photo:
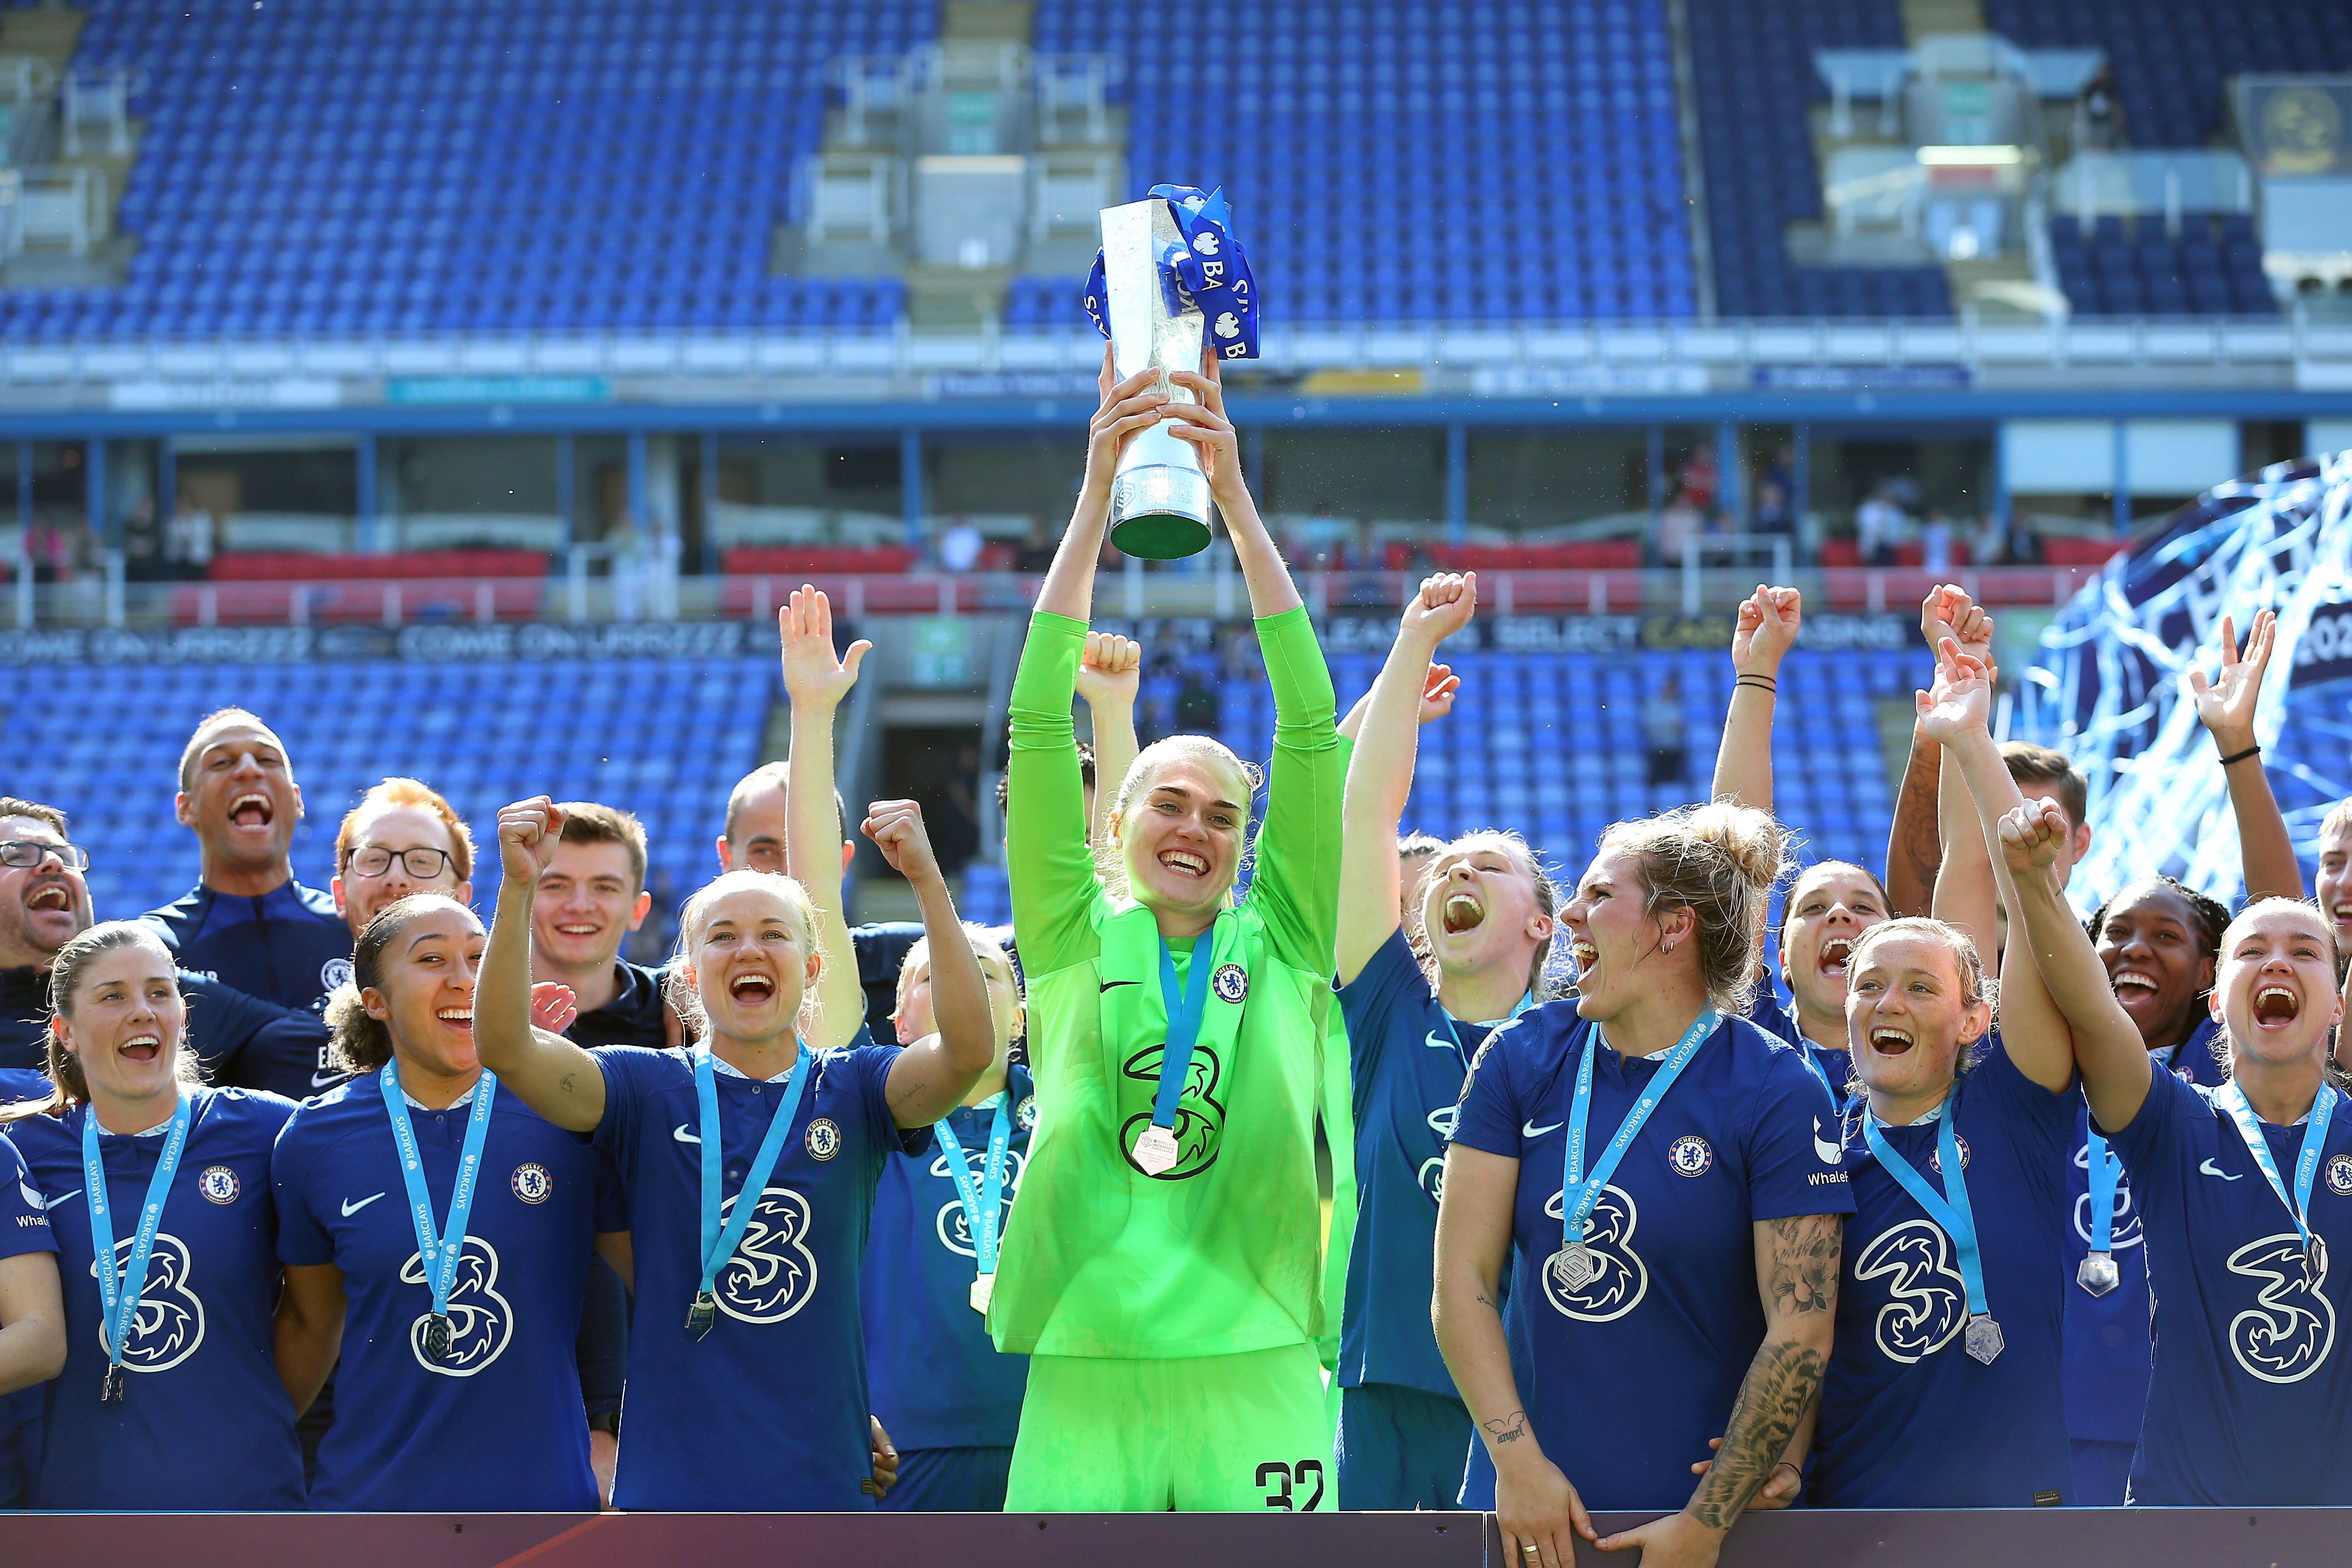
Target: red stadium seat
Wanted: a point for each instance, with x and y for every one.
(1590, 556)
(2063, 551)
(780, 561)
(266, 566)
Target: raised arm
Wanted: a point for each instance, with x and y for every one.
(1915, 844)
(2107, 1045)
(1110, 672)
(931, 1076)
(2226, 706)
(1767, 628)
(1379, 773)
(1296, 887)
(554, 1077)
(1127, 407)
(1535, 1504)
(2033, 1030)
(815, 681)
(1203, 423)
(1966, 893)
(1439, 687)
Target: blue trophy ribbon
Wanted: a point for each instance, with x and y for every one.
(1209, 270)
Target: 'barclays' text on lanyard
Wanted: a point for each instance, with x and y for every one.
(1575, 1263)
(1950, 1210)
(438, 1255)
(1155, 1146)
(2232, 1099)
(119, 1295)
(720, 1242)
(983, 1205)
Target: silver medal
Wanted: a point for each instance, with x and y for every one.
(1981, 1340)
(983, 1286)
(1574, 1265)
(2098, 1274)
(2315, 1262)
(440, 1334)
(1155, 1151)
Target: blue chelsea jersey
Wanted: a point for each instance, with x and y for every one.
(2246, 1402)
(1778, 1019)
(2108, 1346)
(768, 1412)
(1407, 1060)
(939, 1380)
(203, 1422)
(1661, 1335)
(498, 1424)
(287, 946)
(1909, 1420)
(24, 1228)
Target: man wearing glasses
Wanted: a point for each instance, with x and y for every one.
(248, 922)
(401, 838)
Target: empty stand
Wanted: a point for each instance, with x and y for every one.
(2213, 267)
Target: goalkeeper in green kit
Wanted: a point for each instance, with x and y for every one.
(1161, 1270)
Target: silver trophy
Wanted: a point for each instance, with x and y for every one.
(1159, 497)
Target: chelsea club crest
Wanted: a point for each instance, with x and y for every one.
(218, 1184)
(1231, 983)
(824, 1139)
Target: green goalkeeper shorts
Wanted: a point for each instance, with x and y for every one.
(1197, 1432)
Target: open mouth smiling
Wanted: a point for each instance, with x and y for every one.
(251, 809)
(1888, 1041)
(2275, 1006)
(1461, 912)
(1834, 953)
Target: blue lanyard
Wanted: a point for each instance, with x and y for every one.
(720, 1242)
(2103, 1170)
(1579, 1193)
(2232, 1099)
(1950, 1209)
(982, 1205)
(1185, 1004)
(438, 1254)
(119, 1295)
(1821, 1074)
(1526, 1000)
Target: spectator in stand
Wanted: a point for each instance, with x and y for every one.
(188, 540)
(1937, 543)
(1698, 476)
(1879, 526)
(1678, 524)
(45, 548)
(1988, 542)
(1662, 727)
(960, 546)
(2099, 114)
(1774, 515)
(1037, 552)
(143, 543)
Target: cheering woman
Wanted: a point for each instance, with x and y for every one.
(1942, 1388)
(1488, 908)
(2242, 1193)
(1676, 1231)
(1161, 1268)
(439, 1232)
(169, 1398)
(747, 1371)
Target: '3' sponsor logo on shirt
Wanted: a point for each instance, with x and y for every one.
(772, 1274)
(2286, 1335)
(1622, 1280)
(480, 1321)
(1929, 1300)
(170, 1322)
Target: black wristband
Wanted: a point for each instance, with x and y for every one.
(1760, 682)
(2241, 756)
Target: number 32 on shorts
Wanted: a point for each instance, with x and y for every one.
(1277, 1480)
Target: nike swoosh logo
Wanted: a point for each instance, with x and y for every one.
(1436, 1042)
(350, 1208)
(683, 1136)
(2207, 1168)
(1828, 1152)
(52, 1202)
(1109, 983)
(327, 1080)
(1530, 1129)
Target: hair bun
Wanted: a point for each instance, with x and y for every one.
(1755, 843)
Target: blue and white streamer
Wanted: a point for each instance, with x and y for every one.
(2108, 688)
(1210, 269)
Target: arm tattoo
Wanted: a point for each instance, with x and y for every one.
(1804, 1270)
(566, 1084)
(1508, 1428)
(1915, 848)
(906, 1094)
(1782, 1380)
(1485, 1303)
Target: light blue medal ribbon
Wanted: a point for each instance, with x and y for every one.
(119, 1295)
(2098, 1274)
(983, 1205)
(1950, 1210)
(1821, 1074)
(2232, 1098)
(1453, 1025)
(720, 1242)
(438, 1254)
(1155, 1147)
(1575, 1264)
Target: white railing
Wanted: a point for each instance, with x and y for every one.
(1535, 359)
(852, 195)
(62, 206)
(101, 98)
(2090, 184)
